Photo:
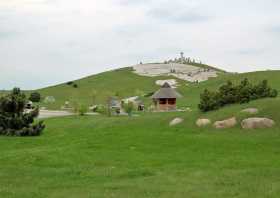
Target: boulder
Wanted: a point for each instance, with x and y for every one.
(203, 122)
(224, 124)
(176, 121)
(257, 123)
(250, 110)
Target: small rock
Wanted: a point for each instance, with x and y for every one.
(203, 122)
(250, 110)
(224, 124)
(176, 121)
(257, 123)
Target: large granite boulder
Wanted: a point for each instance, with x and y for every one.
(257, 123)
(203, 122)
(176, 121)
(224, 124)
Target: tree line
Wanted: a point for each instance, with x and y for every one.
(232, 94)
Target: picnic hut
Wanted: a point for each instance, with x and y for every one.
(165, 98)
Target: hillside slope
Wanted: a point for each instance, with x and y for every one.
(124, 83)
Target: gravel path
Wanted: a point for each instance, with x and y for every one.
(50, 114)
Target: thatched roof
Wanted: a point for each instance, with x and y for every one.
(166, 92)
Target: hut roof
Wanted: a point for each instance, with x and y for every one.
(166, 92)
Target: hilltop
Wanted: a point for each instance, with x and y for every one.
(124, 82)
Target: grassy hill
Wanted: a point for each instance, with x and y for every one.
(103, 157)
(125, 83)
(123, 157)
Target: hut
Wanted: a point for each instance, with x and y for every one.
(165, 98)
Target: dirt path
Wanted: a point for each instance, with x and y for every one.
(50, 114)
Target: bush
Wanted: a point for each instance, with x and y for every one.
(82, 109)
(101, 109)
(128, 108)
(70, 83)
(75, 85)
(209, 101)
(230, 94)
(35, 97)
(13, 120)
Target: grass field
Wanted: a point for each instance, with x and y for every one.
(121, 157)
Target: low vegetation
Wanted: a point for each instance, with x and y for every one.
(35, 97)
(230, 94)
(13, 120)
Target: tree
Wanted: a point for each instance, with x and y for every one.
(82, 109)
(274, 93)
(128, 107)
(230, 94)
(35, 97)
(244, 91)
(13, 120)
(209, 101)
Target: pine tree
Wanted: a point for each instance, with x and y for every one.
(13, 120)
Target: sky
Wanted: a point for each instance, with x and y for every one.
(45, 42)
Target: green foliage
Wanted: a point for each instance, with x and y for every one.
(82, 109)
(13, 120)
(101, 109)
(70, 83)
(231, 94)
(75, 85)
(35, 97)
(79, 108)
(209, 101)
(128, 108)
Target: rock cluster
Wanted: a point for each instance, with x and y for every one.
(203, 122)
(224, 124)
(257, 123)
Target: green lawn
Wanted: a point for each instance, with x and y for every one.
(139, 157)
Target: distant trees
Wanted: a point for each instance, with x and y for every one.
(14, 121)
(35, 97)
(71, 83)
(230, 94)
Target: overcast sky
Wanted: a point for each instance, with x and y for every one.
(44, 42)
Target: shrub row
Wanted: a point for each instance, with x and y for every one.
(231, 94)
